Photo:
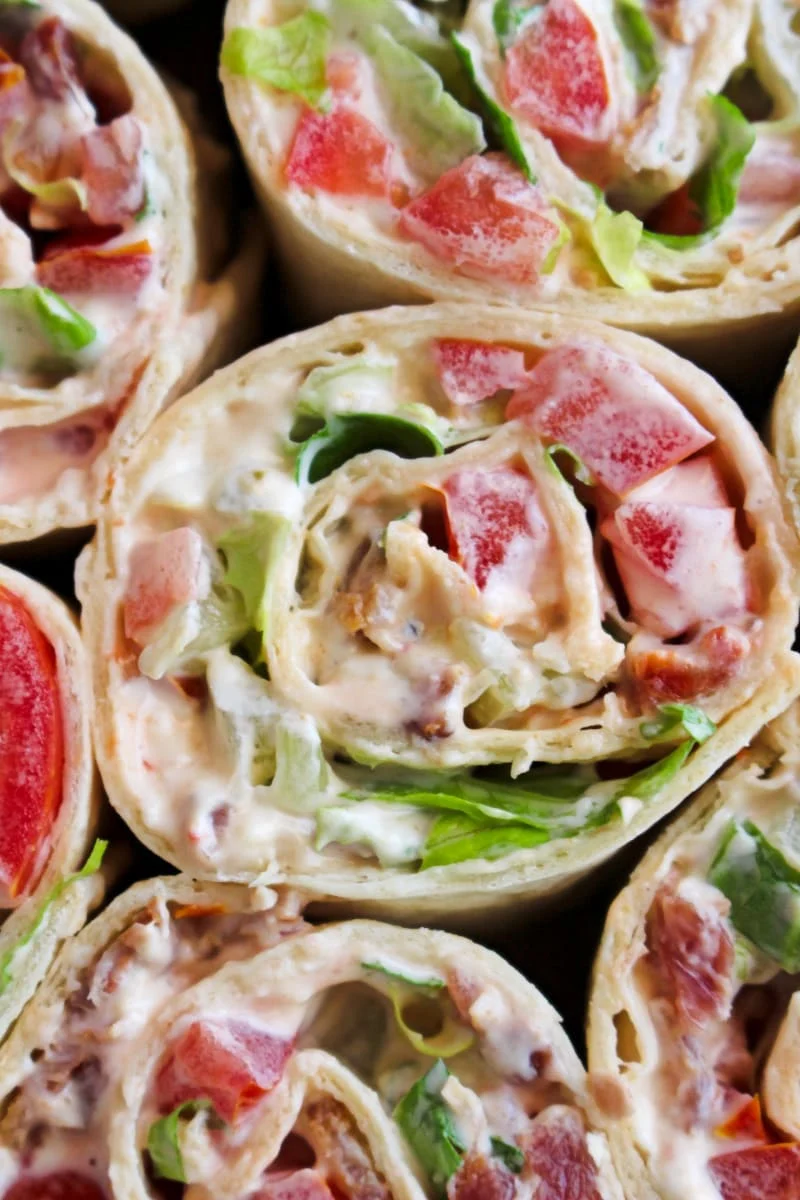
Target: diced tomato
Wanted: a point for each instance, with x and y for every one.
(555, 75)
(473, 371)
(681, 563)
(556, 1151)
(119, 269)
(486, 219)
(294, 1185)
(745, 1124)
(342, 153)
(609, 411)
(31, 747)
(231, 1063)
(677, 214)
(48, 56)
(62, 1185)
(691, 952)
(684, 673)
(113, 172)
(493, 517)
(164, 574)
(480, 1178)
(769, 1171)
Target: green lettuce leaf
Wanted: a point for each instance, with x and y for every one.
(38, 313)
(428, 1126)
(347, 434)
(672, 717)
(289, 57)
(615, 238)
(764, 892)
(251, 555)
(302, 774)
(395, 842)
(715, 187)
(582, 472)
(431, 983)
(639, 40)
(456, 838)
(361, 383)
(420, 31)
(90, 867)
(510, 1155)
(502, 125)
(163, 1140)
(647, 783)
(439, 133)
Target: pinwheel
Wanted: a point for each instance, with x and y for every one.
(695, 1027)
(415, 619)
(109, 303)
(48, 870)
(635, 160)
(194, 1041)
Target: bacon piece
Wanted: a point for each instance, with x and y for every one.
(769, 1171)
(692, 954)
(677, 550)
(556, 78)
(609, 411)
(675, 673)
(118, 269)
(341, 1153)
(113, 171)
(31, 747)
(494, 521)
(294, 1185)
(61, 1185)
(231, 1063)
(745, 1124)
(340, 152)
(48, 56)
(165, 573)
(480, 1178)
(556, 1150)
(486, 219)
(473, 371)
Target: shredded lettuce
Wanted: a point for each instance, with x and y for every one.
(715, 187)
(395, 842)
(37, 313)
(163, 1140)
(615, 238)
(246, 715)
(454, 1037)
(639, 39)
(501, 123)
(252, 553)
(418, 30)
(348, 434)
(511, 1156)
(439, 133)
(455, 838)
(582, 472)
(428, 1126)
(431, 983)
(672, 717)
(360, 383)
(508, 17)
(90, 867)
(764, 892)
(302, 774)
(289, 57)
(193, 629)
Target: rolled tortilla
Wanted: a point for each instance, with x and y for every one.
(583, 156)
(785, 433)
(693, 1031)
(372, 610)
(48, 794)
(112, 298)
(204, 1035)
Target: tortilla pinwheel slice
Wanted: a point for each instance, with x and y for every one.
(112, 298)
(202, 1041)
(48, 798)
(638, 162)
(432, 622)
(694, 1031)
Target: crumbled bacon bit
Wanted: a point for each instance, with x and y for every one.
(691, 954)
(482, 1179)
